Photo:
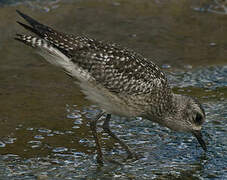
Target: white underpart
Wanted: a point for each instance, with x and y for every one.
(107, 101)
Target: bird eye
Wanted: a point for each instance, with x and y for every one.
(198, 118)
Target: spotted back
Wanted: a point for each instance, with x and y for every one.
(118, 69)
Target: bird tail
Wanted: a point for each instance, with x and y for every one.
(51, 45)
(45, 49)
(31, 40)
(53, 37)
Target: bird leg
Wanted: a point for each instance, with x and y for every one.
(93, 126)
(106, 128)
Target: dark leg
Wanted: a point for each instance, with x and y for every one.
(94, 133)
(106, 128)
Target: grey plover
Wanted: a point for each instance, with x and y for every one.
(119, 80)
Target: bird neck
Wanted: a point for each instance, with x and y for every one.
(171, 111)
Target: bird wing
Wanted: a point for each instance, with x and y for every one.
(121, 70)
(117, 69)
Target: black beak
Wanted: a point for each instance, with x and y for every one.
(199, 137)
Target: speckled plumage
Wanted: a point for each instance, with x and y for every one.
(119, 80)
(136, 81)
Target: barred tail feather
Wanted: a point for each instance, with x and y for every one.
(53, 52)
(31, 40)
(45, 49)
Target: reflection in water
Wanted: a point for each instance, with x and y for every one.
(44, 129)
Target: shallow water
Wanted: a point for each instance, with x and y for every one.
(44, 118)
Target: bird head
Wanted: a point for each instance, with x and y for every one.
(187, 116)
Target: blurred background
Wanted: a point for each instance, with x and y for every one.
(44, 118)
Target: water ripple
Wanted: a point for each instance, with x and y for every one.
(211, 78)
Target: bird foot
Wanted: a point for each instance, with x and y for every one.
(99, 160)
